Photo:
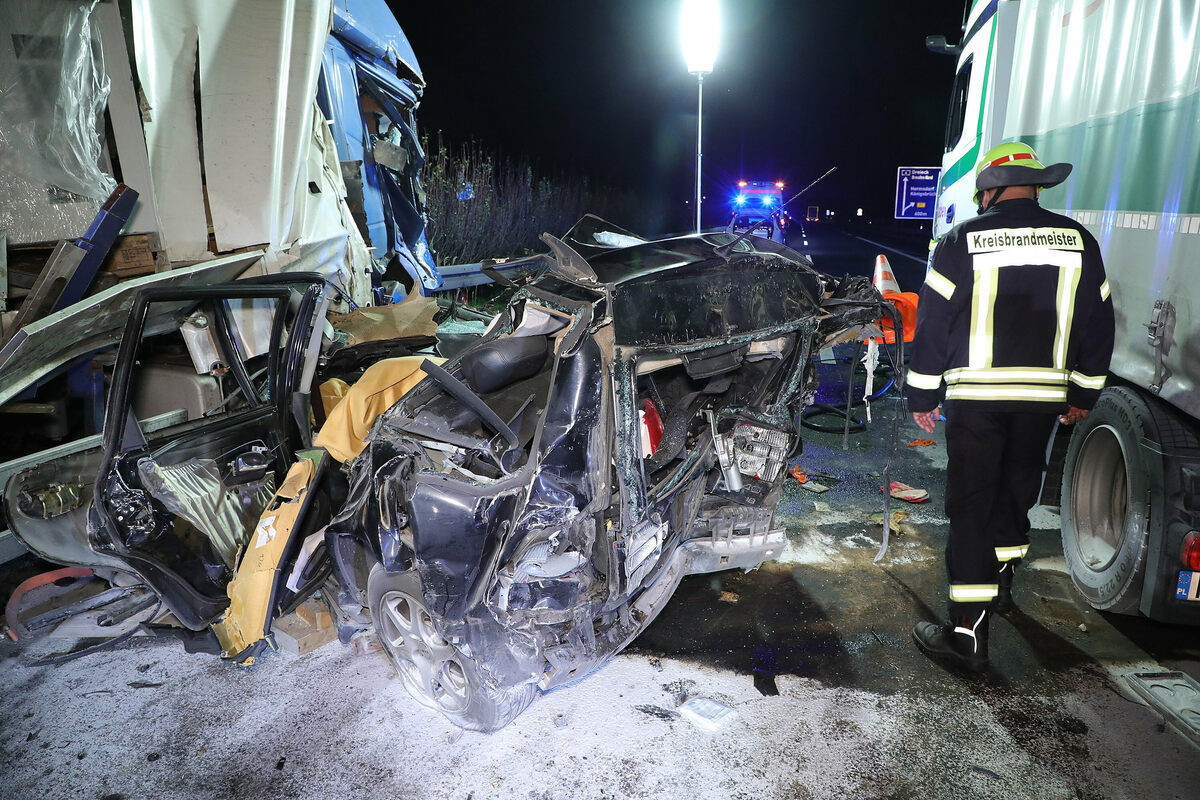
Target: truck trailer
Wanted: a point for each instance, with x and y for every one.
(1113, 88)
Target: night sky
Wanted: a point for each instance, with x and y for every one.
(600, 86)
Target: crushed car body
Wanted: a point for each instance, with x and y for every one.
(523, 509)
(532, 505)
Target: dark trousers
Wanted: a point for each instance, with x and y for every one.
(994, 471)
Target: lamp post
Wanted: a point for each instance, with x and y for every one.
(699, 32)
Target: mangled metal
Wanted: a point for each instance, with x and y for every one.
(507, 519)
(519, 499)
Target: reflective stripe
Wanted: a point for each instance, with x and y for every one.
(1087, 381)
(971, 631)
(1013, 157)
(1006, 375)
(973, 592)
(1105, 290)
(1070, 268)
(1046, 394)
(987, 266)
(983, 300)
(920, 380)
(939, 283)
(1009, 553)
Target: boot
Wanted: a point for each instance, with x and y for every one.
(961, 644)
(1003, 603)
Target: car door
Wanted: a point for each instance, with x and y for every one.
(176, 507)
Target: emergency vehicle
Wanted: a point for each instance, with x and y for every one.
(755, 205)
(1112, 88)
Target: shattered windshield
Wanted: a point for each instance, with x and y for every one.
(618, 265)
(714, 300)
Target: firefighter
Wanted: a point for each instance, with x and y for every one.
(1014, 329)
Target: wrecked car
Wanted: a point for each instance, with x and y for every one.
(520, 514)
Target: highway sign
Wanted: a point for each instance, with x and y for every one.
(916, 191)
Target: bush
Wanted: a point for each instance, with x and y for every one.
(483, 205)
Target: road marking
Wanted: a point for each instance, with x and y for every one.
(889, 249)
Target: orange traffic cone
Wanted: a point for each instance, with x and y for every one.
(885, 281)
(905, 302)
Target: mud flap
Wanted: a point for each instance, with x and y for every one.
(246, 627)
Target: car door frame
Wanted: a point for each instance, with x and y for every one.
(285, 369)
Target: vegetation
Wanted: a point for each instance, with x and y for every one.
(485, 205)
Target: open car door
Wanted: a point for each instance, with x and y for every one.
(177, 508)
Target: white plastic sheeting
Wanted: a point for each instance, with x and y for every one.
(53, 90)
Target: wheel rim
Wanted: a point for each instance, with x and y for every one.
(1101, 497)
(429, 666)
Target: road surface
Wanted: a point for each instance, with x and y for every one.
(841, 251)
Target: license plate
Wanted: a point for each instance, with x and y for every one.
(1188, 587)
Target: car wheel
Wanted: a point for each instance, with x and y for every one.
(1106, 499)
(434, 671)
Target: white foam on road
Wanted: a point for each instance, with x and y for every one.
(332, 725)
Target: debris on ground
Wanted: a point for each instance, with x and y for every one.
(897, 517)
(902, 491)
(657, 711)
(705, 713)
(295, 634)
(921, 443)
(365, 642)
(729, 597)
(806, 482)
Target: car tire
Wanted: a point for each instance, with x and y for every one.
(438, 674)
(1108, 500)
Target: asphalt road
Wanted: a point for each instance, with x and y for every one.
(840, 251)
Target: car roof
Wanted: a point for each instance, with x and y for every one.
(639, 262)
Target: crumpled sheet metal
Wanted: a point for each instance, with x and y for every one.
(193, 490)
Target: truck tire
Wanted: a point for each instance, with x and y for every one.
(435, 672)
(1107, 499)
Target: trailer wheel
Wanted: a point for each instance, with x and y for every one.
(1107, 499)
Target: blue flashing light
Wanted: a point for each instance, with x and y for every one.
(766, 201)
(740, 199)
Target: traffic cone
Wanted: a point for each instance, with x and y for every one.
(885, 281)
(905, 302)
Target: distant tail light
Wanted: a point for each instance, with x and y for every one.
(1191, 551)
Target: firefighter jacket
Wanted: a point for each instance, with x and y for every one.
(1015, 315)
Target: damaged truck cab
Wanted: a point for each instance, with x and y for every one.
(528, 509)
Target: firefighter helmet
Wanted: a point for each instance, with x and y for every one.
(1015, 164)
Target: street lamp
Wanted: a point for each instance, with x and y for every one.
(699, 32)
